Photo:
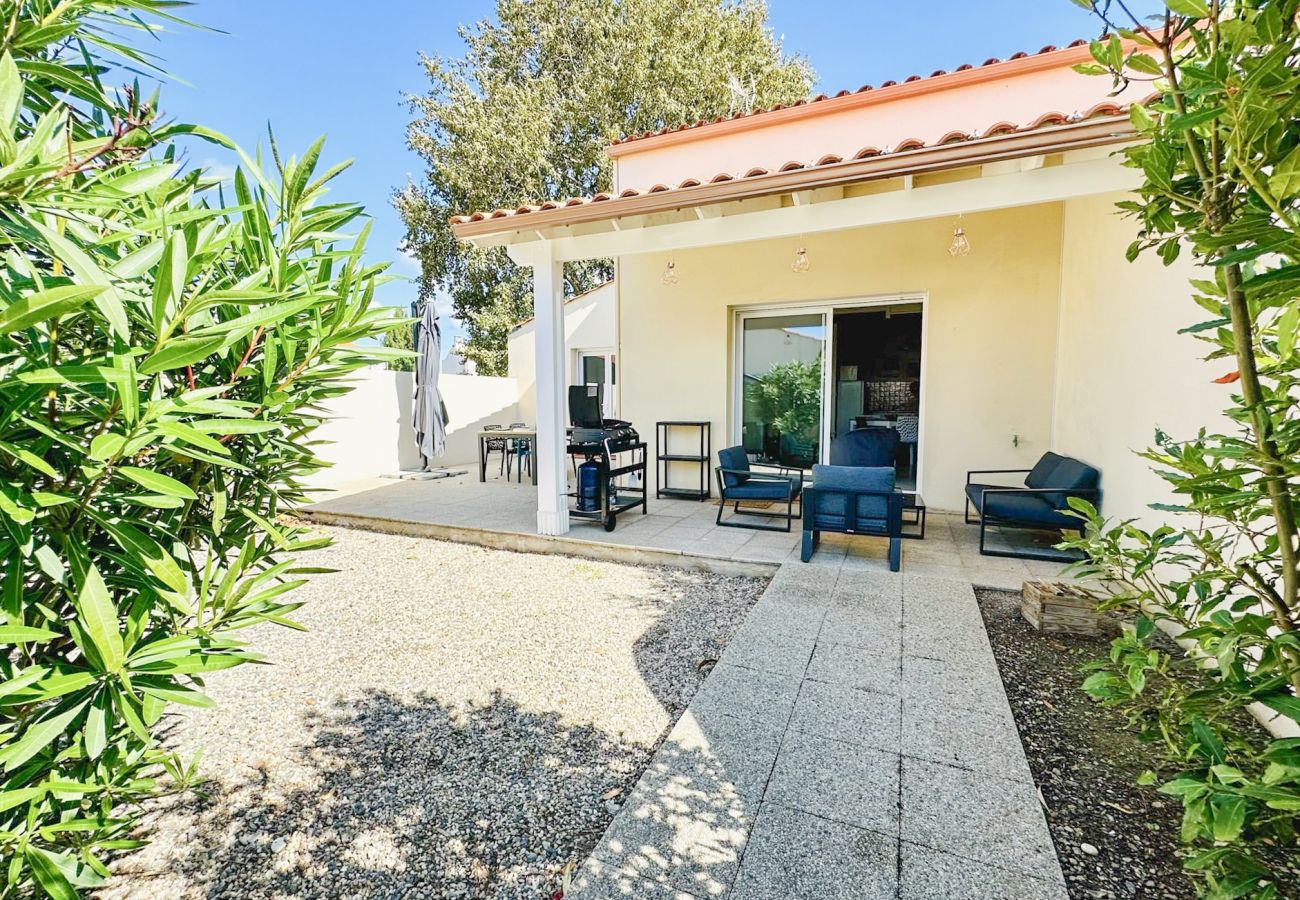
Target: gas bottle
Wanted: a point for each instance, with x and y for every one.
(588, 486)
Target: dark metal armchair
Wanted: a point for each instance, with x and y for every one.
(739, 483)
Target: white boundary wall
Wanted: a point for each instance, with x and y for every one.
(368, 433)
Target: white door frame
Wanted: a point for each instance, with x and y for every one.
(827, 309)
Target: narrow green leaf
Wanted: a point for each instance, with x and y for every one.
(97, 614)
(48, 874)
(38, 736)
(158, 482)
(181, 352)
(23, 634)
(45, 305)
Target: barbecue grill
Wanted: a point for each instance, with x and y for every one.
(616, 451)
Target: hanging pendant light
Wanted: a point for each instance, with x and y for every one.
(960, 246)
(670, 273)
(801, 262)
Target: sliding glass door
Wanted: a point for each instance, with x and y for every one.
(781, 379)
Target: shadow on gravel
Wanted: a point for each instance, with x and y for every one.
(415, 801)
(678, 651)
(396, 797)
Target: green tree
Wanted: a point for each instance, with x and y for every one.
(163, 355)
(1220, 167)
(401, 338)
(526, 114)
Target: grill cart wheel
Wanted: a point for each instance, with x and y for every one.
(610, 521)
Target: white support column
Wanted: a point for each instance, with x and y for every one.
(548, 332)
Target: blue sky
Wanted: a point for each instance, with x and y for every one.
(339, 68)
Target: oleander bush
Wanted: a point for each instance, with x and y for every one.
(1220, 168)
(166, 344)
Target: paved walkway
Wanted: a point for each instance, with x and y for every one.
(854, 741)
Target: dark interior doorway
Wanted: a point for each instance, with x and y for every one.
(876, 376)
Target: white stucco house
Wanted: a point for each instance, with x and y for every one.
(590, 339)
(948, 243)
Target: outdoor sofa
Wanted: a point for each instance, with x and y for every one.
(853, 500)
(1040, 504)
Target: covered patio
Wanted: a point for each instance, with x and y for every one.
(732, 233)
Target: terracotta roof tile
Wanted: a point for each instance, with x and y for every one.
(820, 98)
(1047, 120)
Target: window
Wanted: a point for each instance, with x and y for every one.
(598, 367)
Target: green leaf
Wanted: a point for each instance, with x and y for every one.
(11, 94)
(1196, 9)
(181, 352)
(1287, 704)
(109, 300)
(23, 634)
(106, 446)
(95, 734)
(1141, 62)
(158, 482)
(29, 458)
(49, 875)
(38, 736)
(45, 305)
(1287, 325)
(1187, 121)
(97, 614)
(1285, 180)
(1227, 815)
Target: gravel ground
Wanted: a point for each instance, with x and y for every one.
(458, 722)
(1114, 839)
(1084, 763)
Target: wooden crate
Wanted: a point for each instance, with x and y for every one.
(1054, 606)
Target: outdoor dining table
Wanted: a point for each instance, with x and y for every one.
(516, 434)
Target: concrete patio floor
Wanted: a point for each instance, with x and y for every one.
(500, 513)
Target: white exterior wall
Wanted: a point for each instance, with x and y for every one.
(368, 432)
(589, 324)
(1123, 370)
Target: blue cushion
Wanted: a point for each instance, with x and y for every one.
(851, 478)
(1072, 475)
(839, 523)
(865, 447)
(1019, 507)
(762, 489)
(733, 458)
(1042, 470)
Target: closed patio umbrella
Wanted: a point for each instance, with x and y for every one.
(430, 415)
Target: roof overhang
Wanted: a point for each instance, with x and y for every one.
(533, 223)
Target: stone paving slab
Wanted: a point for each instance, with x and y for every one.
(770, 650)
(747, 694)
(794, 854)
(844, 782)
(854, 741)
(856, 667)
(985, 744)
(979, 817)
(848, 714)
(598, 881)
(928, 874)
